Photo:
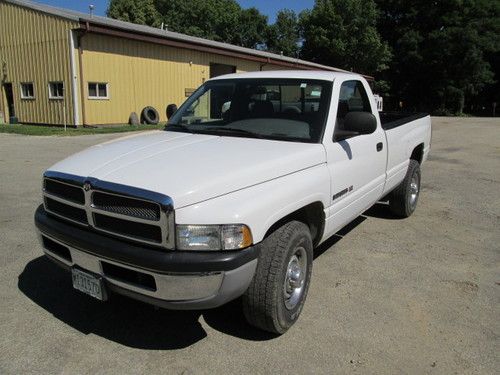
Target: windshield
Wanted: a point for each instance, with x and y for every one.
(289, 110)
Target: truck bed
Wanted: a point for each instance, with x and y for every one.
(404, 133)
(391, 120)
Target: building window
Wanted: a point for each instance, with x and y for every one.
(27, 90)
(98, 90)
(56, 90)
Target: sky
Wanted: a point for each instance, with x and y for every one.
(267, 7)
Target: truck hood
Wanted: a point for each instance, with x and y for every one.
(191, 168)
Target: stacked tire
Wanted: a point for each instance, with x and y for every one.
(150, 116)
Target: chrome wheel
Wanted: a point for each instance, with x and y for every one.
(295, 278)
(414, 189)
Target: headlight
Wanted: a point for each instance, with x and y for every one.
(213, 237)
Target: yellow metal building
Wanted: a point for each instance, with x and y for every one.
(64, 67)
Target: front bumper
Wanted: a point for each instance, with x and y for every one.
(182, 279)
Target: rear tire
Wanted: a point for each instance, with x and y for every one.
(403, 200)
(277, 293)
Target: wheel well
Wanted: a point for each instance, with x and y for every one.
(418, 153)
(313, 215)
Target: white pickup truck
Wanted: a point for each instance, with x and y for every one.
(251, 173)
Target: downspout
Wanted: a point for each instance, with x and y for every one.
(263, 65)
(74, 78)
(80, 63)
(3, 72)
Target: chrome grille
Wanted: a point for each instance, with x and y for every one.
(120, 210)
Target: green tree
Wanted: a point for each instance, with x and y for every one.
(211, 19)
(142, 12)
(219, 20)
(252, 27)
(284, 34)
(440, 51)
(343, 33)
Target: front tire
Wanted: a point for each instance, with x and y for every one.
(403, 200)
(277, 293)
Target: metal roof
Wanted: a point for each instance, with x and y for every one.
(152, 31)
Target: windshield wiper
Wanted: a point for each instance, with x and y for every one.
(179, 127)
(236, 130)
(213, 128)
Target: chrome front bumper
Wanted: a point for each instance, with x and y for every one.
(172, 290)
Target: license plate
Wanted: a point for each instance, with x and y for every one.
(88, 284)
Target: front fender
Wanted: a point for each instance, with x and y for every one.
(260, 206)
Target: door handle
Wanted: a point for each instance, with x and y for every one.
(380, 146)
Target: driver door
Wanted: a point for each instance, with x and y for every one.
(357, 165)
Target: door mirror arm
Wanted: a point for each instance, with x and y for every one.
(340, 135)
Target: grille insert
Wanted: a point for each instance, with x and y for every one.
(129, 276)
(56, 248)
(70, 212)
(66, 191)
(128, 228)
(126, 206)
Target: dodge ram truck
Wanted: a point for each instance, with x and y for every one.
(251, 173)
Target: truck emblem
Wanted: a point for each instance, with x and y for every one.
(86, 186)
(343, 192)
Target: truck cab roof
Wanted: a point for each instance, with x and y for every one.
(292, 74)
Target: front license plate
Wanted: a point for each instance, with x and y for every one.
(88, 284)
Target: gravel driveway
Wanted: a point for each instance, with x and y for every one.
(388, 296)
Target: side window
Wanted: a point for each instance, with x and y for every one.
(98, 90)
(353, 98)
(27, 90)
(56, 90)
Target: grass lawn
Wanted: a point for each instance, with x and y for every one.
(59, 131)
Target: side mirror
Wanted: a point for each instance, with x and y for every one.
(356, 123)
(171, 108)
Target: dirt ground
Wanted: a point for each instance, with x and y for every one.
(388, 296)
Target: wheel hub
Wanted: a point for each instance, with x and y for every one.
(414, 189)
(295, 278)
